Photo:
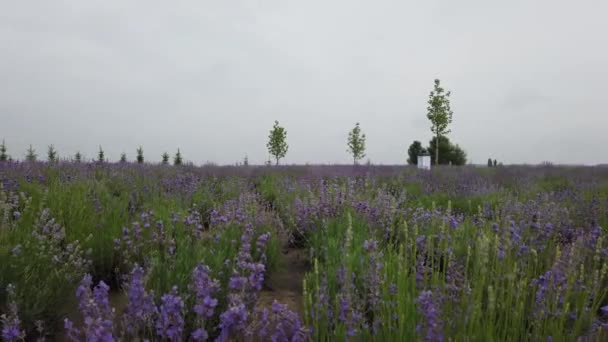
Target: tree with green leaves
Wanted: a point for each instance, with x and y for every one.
(51, 154)
(100, 155)
(31, 155)
(123, 157)
(177, 160)
(165, 160)
(356, 143)
(457, 155)
(414, 151)
(277, 144)
(140, 155)
(246, 161)
(448, 152)
(77, 157)
(495, 163)
(3, 155)
(439, 113)
(490, 162)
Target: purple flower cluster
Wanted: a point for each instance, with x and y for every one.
(430, 326)
(244, 285)
(141, 312)
(233, 321)
(11, 324)
(204, 289)
(374, 283)
(170, 323)
(98, 316)
(281, 324)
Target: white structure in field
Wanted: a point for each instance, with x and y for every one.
(424, 161)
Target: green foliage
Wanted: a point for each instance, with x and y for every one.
(3, 155)
(356, 143)
(490, 162)
(439, 112)
(458, 156)
(77, 157)
(277, 144)
(165, 159)
(51, 154)
(31, 154)
(178, 158)
(414, 151)
(495, 163)
(100, 155)
(449, 154)
(140, 155)
(123, 157)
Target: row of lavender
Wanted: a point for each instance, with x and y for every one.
(115, 252)
(182, 253)
(528, 263)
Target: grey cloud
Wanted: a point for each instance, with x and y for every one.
(210, 77)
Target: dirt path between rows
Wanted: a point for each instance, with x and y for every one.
(285, 283)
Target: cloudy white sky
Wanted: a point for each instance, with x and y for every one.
(210, 77)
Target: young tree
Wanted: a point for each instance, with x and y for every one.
(489, 162)
(3, 155)
(31, 154)
(140, 155)
(356, 143)
(100, 155)
(439, 113)
(277, 144)
(165, 160)
(246, 161)
(123, 157)
(178, 158)
(495, 163)
(51, 154)
(78, 157)
(414, 151)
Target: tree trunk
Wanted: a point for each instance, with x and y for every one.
(277, 164)
(437, 150)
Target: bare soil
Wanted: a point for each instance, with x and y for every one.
(285, 284)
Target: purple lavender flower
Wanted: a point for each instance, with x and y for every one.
(170, 323)
(370, 245)
(237, 282)
(256, 277)
(430, 327)
(200, 334)
(73, 333)
(141, 311)
(281, 324)
(262, 241)
(11, 324)
(204, 288)
(96, 312)
(232, 321)
(344, 309)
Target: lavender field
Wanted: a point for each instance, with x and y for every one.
(126, 252)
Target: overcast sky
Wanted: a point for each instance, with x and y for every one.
(528, 77)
